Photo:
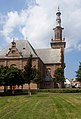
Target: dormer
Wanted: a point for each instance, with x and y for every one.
(13, 51)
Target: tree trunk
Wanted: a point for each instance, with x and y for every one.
(22, 87)
(29, 92)
(11, 89)
(5, 89)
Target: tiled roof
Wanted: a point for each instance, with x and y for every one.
(49, 55)
(23, 46)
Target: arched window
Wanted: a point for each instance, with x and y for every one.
(13, 65)
(48, 71)
(48, 74)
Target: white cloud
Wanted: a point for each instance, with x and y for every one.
(79, 47)
(37, 26)
(11, 21)
(36, 22)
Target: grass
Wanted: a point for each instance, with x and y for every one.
(41, 106)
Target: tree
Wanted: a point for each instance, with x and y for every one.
(10, 77)
(28, 75)
(3, 78)
(78, 73)
(36, 75)
(59, 76)
(20, 80)
(1, 75)
(14, 77)
(31, 74)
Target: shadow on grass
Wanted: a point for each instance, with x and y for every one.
(16, 92)
(35, 91)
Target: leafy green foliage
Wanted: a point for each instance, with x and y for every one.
(59, 75)
(10, 76)
(78, 73)
(36, 76)
(28, 71)
(3, 71)
(14, 76)
(31, 73)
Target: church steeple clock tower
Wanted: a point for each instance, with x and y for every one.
(58, 29)
(57, 42)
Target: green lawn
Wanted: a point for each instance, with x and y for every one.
(41, 106)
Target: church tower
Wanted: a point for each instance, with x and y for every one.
(57, 42)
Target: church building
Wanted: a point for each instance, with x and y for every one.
(45, 60)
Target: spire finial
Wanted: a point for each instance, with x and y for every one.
(13, 39)
(58, 19)
(13, 42)
(58, 12)
(58, 8)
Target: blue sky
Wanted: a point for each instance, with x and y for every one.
(6, 5)
(34, 20)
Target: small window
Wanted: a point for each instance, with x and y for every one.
(23, 48)
(13, 51)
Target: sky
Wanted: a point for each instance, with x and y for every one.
(34, 20)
